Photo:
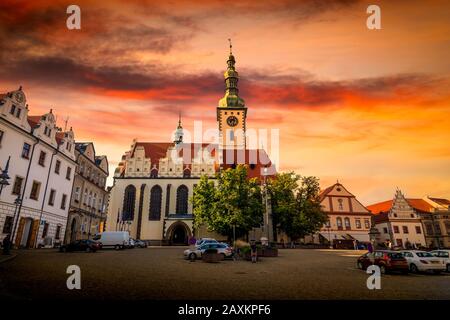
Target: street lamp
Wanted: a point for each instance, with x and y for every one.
(373, 234)
(17, 203)
(4, 177)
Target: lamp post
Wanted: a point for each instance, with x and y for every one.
(17, 202)
(268, 225)
(4, 177)
(373, 234)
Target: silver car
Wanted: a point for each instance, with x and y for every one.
(197, 252)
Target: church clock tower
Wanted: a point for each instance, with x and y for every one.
(231, 112)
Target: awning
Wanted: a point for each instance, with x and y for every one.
(361, 237)
(331, 235)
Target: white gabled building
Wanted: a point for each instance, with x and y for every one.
(34, 206)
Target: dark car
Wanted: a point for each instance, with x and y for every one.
(140, 243)
(81, 245)
(387, 261)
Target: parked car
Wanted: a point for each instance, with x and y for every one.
(197, 252)
(202, 241)
(140, 244)
(116, 239)
(387, 260)
(423, 261)
(443, 254)
(131, 244)
(81, 245)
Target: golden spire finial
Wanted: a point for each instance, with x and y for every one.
(231, 46)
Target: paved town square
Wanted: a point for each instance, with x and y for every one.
(162, 273)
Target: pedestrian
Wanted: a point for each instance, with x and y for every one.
(6, 245)
(292, 245)
(355, 245)
(254, 253)
(370, 247)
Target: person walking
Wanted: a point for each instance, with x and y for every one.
(254, 252)
(6, 245)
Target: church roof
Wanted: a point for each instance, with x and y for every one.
(440, 201)
(256, 159)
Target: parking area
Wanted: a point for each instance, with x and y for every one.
(162, 273)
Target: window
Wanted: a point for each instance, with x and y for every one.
(429, 228)
(231, 135)
(437, 227)
(385, 230)
(155, 203)
(1, 136)
(13, 110)
(26, 151)
(63, 201)
(347, 223)
(19, 111)
(367, 223)
(128, 203)
(358, 224)
(51, 198)
(182, 200)
(58, 232)
(45, 231)
(77, 194)
(328, 224)
(57, 166)
(34, 194)
(68, 173)
(7, 227)
(339, 223)
(17, 188)
(405, 229)
(341, 207)
(42, 156)
(418, 230)
(396, 229)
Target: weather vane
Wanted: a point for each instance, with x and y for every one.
(231, 46)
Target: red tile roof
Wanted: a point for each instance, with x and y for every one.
(442, 202)
(255, 159)
(33, 121)
(419, 205)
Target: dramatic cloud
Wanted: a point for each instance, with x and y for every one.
(350, 103)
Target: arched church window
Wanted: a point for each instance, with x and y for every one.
(182, 200)
(155, 203)
(128, 203)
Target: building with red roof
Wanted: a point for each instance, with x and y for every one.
(154, 180)
(349, 220)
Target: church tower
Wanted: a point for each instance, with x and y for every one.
(231, 112)
(178, 138)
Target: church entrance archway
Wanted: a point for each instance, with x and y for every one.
(179, 234)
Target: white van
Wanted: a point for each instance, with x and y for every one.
(116, 239)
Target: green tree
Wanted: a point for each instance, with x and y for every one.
(234, 200)
(295, 204)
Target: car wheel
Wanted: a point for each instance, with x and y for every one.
(88, 249)
(62, 249)
(360, 265)
(192, 256)
(223, 256)
(383, 269)
(413, 268)
(448, 268)
(116, 247)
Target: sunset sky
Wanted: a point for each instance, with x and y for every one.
(367, 107)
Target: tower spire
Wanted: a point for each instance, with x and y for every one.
(231, 98)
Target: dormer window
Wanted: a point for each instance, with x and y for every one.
(13, 110)
(19, 111)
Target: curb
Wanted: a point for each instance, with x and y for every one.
(11, 257)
